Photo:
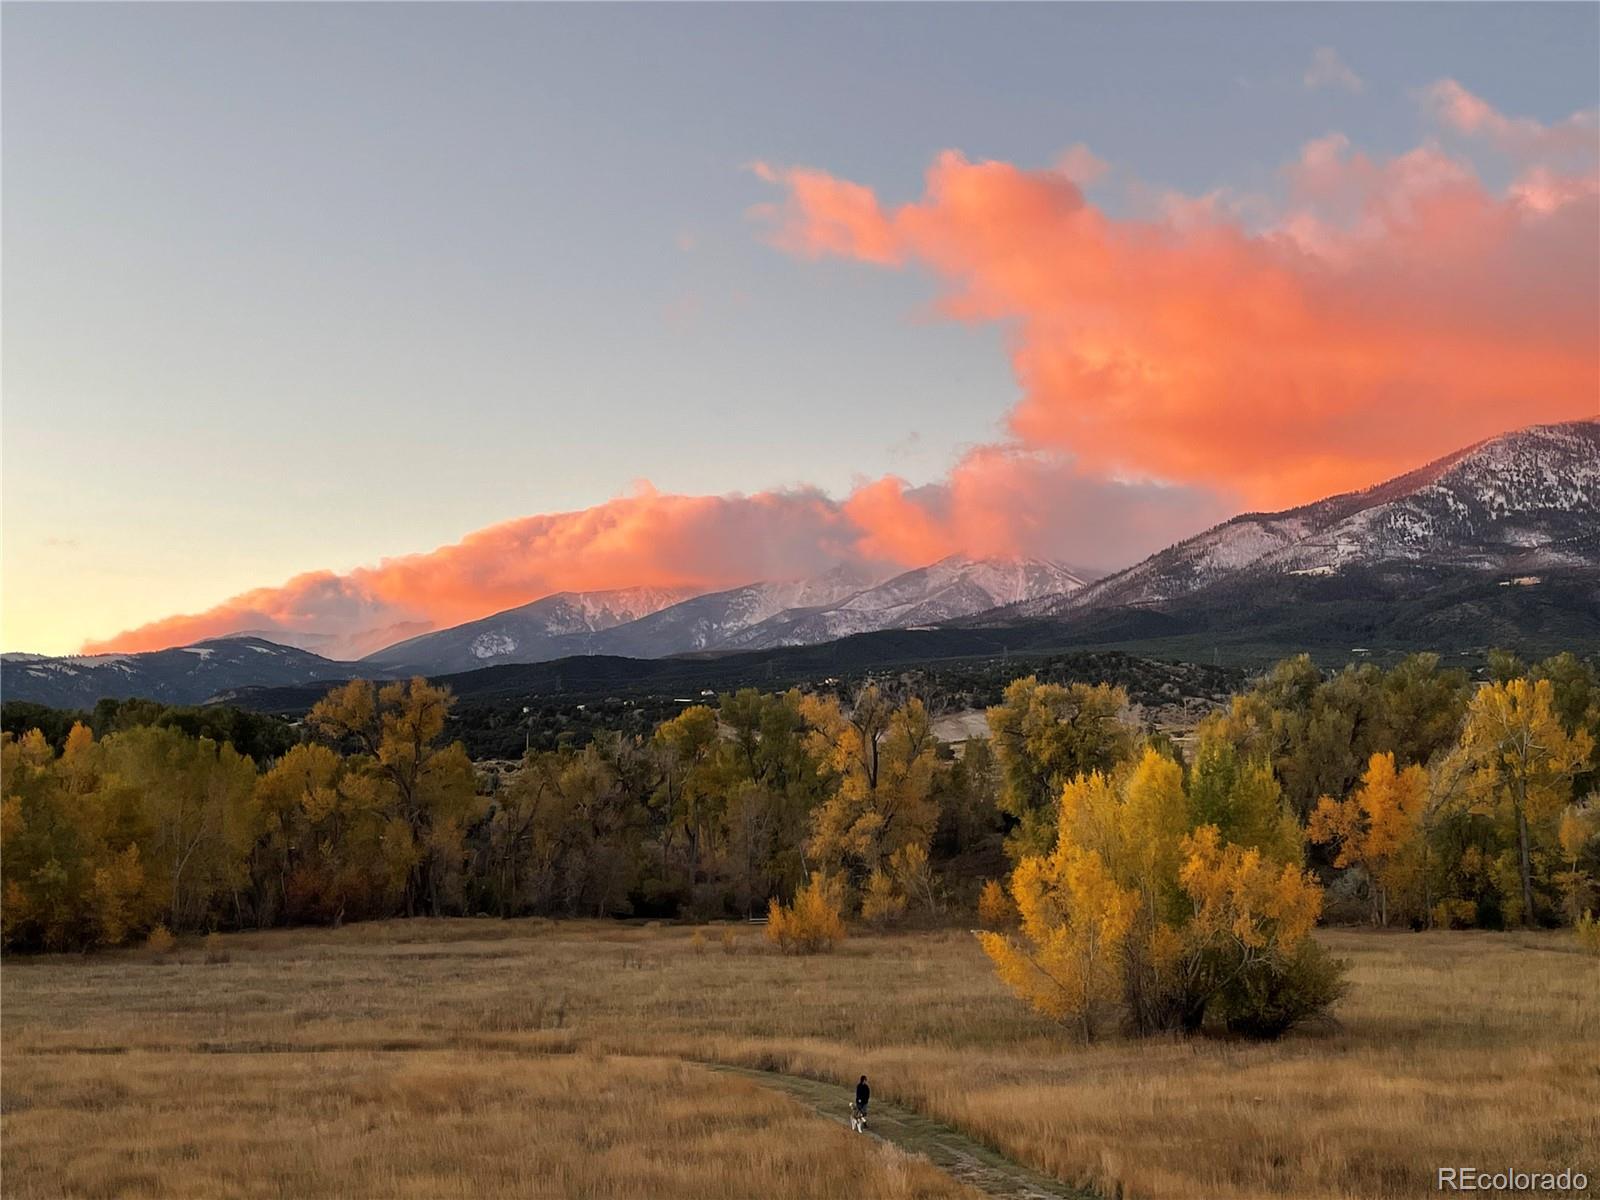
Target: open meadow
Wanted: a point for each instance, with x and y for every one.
(535, 1058)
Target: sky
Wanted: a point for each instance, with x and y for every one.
(350, 319)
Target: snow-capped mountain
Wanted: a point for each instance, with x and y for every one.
(1521, 503)
(712, 621)
(548, 628)
(950, 588)
(847, 599)
(184, 675)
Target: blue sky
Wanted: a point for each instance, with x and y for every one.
(295, 286)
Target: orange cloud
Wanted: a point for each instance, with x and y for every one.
(1391, 312)
(645, 539)
(997, 502)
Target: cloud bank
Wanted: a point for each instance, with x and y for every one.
(1384, 312)
(997, 501)
(1172, 364)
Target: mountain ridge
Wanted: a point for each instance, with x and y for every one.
(845, 600)
(178, 675)
(559, 620)
(1453, 511)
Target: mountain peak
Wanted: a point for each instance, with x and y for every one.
(1521, 501)
(180, 675)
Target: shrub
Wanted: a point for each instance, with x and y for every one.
(995, 909)
(813, 924)
(216, 952)
(1587, 930)
(1271, 996)
(883, 904)
(1455, 914)
(914, 877)
(697, 942)
(161, 941)
(730, 941)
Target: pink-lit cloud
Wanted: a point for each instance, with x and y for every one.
(996, 502)
(1576, 137)
(1387, 313)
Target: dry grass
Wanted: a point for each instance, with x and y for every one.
(426, 1124)
(530, 1058)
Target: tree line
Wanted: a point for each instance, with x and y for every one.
(1409, 795)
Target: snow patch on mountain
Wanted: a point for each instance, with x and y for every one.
(492, 645)
(943, 591)
(1530, 498)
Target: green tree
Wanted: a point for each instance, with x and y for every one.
(691, 795)
(1318, 732)
(1042, 735)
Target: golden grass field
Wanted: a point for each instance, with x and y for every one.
(531, 1058)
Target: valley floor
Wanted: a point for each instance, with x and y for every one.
(531, 1058)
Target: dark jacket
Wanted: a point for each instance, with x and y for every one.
(863, 1094)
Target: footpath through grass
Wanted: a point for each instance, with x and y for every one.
(973, 1163)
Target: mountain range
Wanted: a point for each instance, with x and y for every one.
(845, 600)
(1497, 543)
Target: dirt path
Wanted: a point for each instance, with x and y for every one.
(951, 1151)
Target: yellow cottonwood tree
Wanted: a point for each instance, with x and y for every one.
(1524, 762)
(427, 788)
(323, 851)
(1136, 905)
(121, 896)
(1075, 922)
(1378, 828)
(1578, 827)
(814, 923)
(995, 908)
(1247, 947)
(75, 875)
(882, 903)
(195, 797)
(1242, 898)
(881, 760)
(690, 798)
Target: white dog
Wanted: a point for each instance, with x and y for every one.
(858, 1119)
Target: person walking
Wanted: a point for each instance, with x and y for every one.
(858, 1113)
